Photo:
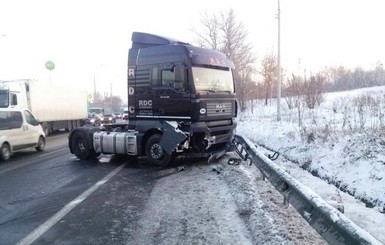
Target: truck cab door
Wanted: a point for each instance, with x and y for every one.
(173, 94)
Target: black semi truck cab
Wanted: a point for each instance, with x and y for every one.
(181, 101)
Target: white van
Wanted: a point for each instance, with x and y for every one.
(19, 130)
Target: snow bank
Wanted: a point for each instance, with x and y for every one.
(353, 160)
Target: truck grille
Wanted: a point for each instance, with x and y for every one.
(219, 109)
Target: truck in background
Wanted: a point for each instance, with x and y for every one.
(96, 111)
(181, 101)
(56, 107)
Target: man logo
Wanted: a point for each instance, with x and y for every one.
(220, 106)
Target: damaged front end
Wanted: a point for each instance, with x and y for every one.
(198, 139)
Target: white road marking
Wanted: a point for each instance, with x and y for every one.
(39, 231)
(49, 153)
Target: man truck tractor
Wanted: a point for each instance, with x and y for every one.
(181, 101)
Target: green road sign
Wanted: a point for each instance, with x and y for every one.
(49, 65)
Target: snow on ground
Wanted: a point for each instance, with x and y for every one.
(341, 142)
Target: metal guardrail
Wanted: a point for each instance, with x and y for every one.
(332, 225)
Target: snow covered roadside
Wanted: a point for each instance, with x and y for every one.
(354, 161)
(367, 218)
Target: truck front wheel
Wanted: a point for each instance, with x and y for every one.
(82, 147)
(155, 153)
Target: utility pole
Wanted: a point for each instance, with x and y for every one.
(94, 84)
(96, 69)
(111, 96)
(279, 66)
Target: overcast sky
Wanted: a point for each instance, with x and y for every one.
(91, 38)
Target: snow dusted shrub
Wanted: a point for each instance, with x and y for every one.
(326, 133)
(307, 135)
(335, 106)
(348, 116)
(365, 106)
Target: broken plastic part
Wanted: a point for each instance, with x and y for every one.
(172, 136)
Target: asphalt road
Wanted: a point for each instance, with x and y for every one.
(35, 186)
(51, 197)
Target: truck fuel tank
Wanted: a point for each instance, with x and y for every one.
(115, 142)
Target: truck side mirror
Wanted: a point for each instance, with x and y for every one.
(178, 85)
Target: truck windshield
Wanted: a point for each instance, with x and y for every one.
(213, 80)
(96, 110)
(4, 102)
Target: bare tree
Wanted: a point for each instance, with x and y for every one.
(224, 33)
(116, 102)
(245, 86)
(269, 74)
(292, 91)
(314, 90)
(98, 98)
(339, 77)
(106, 102)
(210, 36)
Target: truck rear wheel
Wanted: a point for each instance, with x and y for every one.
(82, 147)
(155, 153)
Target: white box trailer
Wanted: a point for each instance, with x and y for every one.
(55, 106)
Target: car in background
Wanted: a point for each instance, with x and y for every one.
(19, 130)
(118, 115)
(93, 119)
(125, 114)
(108, 118)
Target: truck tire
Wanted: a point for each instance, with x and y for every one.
(5, 152)
(40, 144)
(155, 153)
(82, 147)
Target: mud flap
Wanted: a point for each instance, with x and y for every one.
(172, 137)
